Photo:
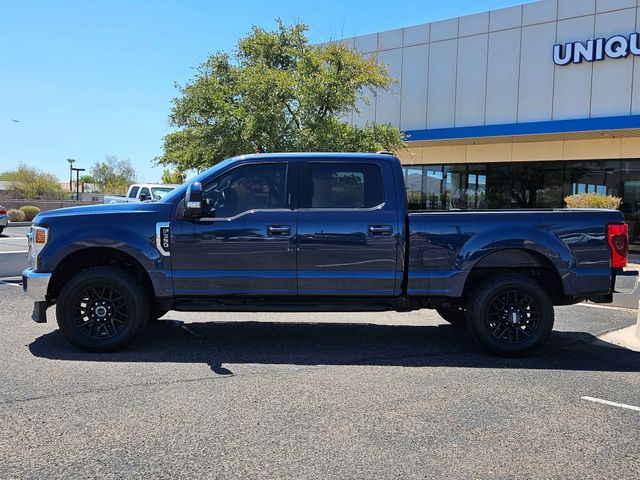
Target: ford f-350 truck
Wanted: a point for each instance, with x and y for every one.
(318, 232)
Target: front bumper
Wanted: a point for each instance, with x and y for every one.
(625, 282)
(35, 285)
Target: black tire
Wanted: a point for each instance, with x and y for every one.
(510, 315)
(1, 230)
(456, 316)
(102, 309)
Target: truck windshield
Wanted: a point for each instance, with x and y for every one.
(159, 193)
(172, 195)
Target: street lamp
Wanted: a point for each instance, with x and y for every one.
(71, 162)
(78, 170)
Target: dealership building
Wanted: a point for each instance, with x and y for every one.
(517, 107)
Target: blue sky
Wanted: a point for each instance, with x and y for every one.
(89, 78)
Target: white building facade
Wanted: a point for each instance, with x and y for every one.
(517, 107)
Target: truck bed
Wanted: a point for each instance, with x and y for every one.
(444, 246)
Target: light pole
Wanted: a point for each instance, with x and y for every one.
(71, 162)
(77, 170)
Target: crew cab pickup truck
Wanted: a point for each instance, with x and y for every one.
(318, 232)
(141, 192)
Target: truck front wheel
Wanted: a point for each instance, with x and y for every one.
(510, 315)
(102, 309)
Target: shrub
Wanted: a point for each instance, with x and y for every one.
(15, 215)
(593, 200)
(30, 183)
(29, 212)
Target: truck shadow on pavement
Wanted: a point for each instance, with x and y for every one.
(311, 344)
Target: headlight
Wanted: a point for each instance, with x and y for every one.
(38, 238)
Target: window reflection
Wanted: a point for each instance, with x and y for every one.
(541, 184)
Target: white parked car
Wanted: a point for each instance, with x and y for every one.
(141, 192)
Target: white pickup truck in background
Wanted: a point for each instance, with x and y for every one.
(141, 192)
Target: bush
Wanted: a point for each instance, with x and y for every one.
(593, 200)
(30, 183)
(29, 212)
(15, 215)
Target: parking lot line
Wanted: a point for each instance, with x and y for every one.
(10, 283)
(17, 251)
(612, 404)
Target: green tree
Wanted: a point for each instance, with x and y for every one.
(172, 176)
(87, 179)
(113, 175)
(30, 183)
(278, 93)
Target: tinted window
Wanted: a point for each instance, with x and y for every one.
(145, 191)
(134, 192)
(250, 187)
(339, 185)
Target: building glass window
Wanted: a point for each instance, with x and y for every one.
(433, 187)
(413, 185)
(523, 185)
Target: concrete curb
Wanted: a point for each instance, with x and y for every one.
(19, 224)
(625, 337)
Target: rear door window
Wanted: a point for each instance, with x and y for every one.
(134, 192)
(345, 185)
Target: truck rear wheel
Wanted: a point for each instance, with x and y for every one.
(510, 315)
(102, 309)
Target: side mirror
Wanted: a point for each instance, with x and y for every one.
(143, 197)
(193, 201)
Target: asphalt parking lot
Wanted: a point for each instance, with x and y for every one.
(315, 396)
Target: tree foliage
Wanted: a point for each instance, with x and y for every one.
(33, 184)
(113, 175)
(172, 176)
(277, 92)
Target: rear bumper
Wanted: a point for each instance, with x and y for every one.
(35, 285)
(625, 282)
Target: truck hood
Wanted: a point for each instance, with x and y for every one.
(113, 210)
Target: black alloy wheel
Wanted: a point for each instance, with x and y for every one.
(510, 315)
(102, 309)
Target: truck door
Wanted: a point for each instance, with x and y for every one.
(348, 238)
(245, 243)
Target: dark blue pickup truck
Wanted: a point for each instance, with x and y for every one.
(318, 232)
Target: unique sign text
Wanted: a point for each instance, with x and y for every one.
(597, 49)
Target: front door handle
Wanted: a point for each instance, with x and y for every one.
(380, 229)
(275, 230)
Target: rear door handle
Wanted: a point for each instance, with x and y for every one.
(275, 230)
(380, 229)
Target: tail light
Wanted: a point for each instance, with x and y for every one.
(618, 237)
(3, 211)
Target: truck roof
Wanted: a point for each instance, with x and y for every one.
(315, 155)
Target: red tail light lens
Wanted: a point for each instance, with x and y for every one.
(3, 211)
(618, 237)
